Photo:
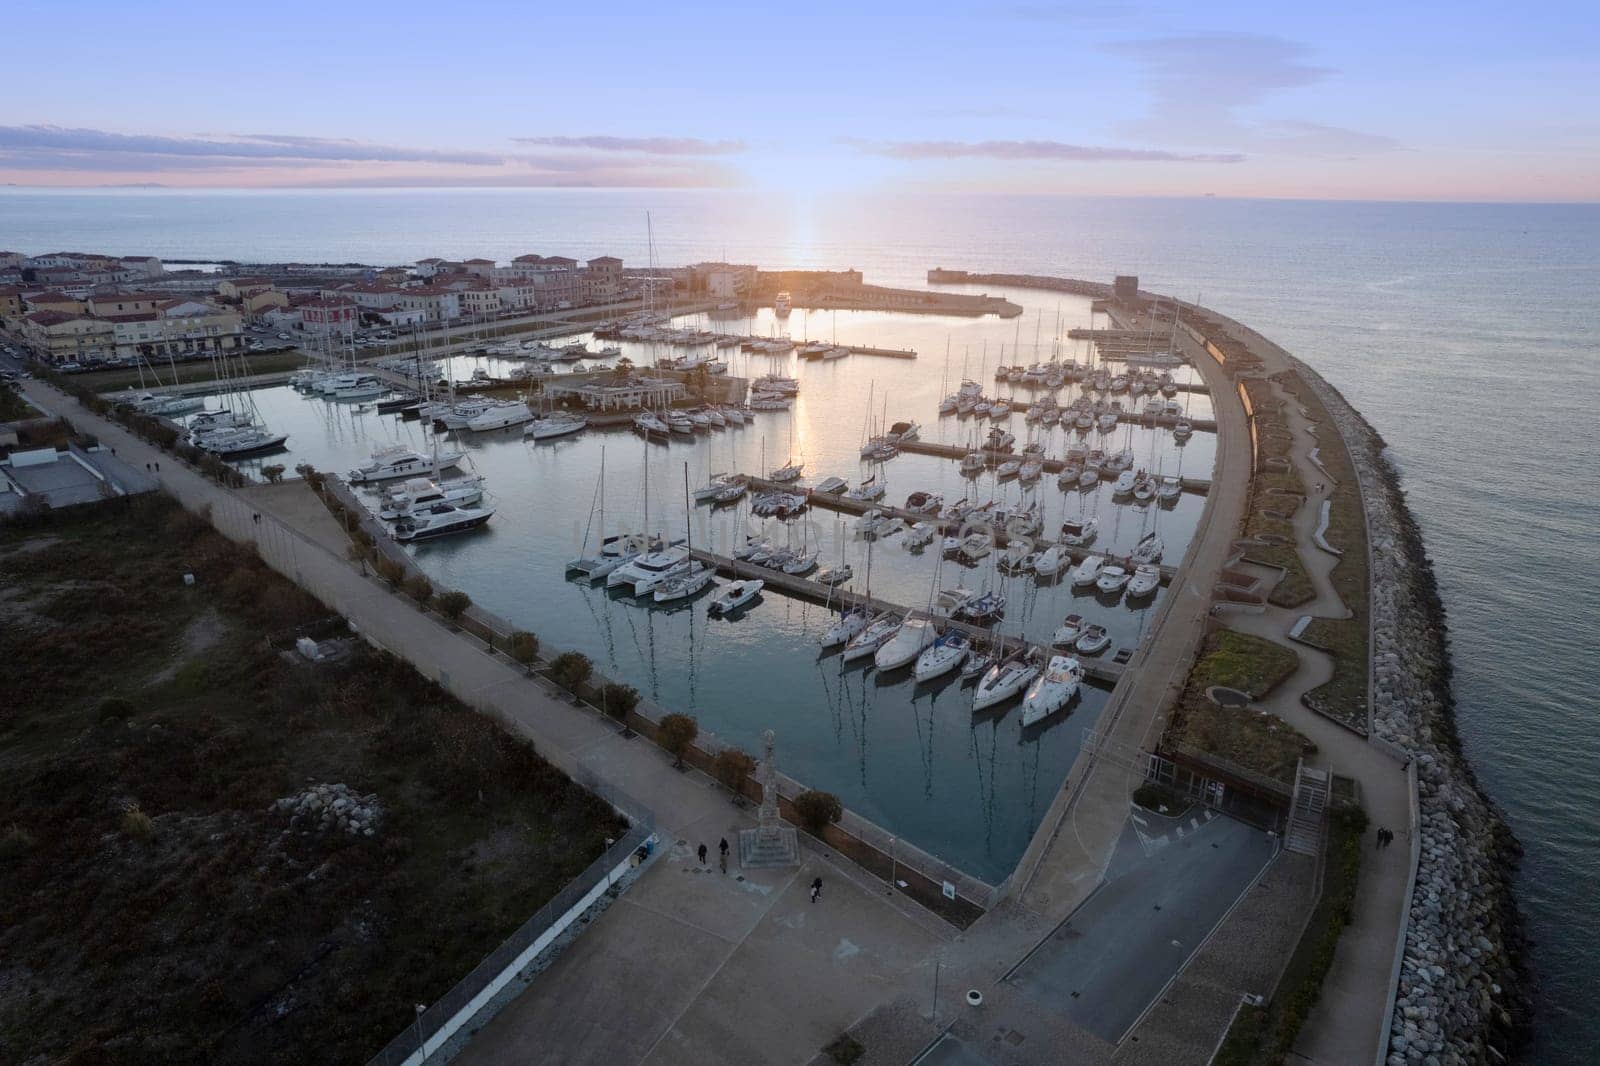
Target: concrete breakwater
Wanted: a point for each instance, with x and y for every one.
(1462, 994)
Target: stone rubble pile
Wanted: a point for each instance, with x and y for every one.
(332, 808)
(1460, 988)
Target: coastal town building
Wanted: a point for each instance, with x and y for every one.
(627, 394)
(330, 316)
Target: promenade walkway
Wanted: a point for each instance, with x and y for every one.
(690, 966)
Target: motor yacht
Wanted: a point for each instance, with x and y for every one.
(831, 486)
(1053, 690)
(1145, 580)
(908, 642)
(394, 461)
(834, 576)
(735, 595)
(1182, 431)
(944, 655)
(782, 304)
(1080, 532)
(778, 504)
(976, 545)
(1004, 680)
(875, 635)
(924, 502)
(241, 443)
(1111, 579)
(359, 387)
(419, 493)
(949, 404)
(500, 416)
(920, 535)
(1068, 632)
(1093, 640)
(440, 520)
(868, 491)
(1170, 488)
(972, 464)
(1050, 561)
(1000, 409)
(1088, 572)
(949, 601)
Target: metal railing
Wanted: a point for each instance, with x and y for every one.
(444, 1016)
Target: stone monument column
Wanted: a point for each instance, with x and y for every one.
(771, 844)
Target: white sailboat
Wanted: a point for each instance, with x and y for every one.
(1053, 690)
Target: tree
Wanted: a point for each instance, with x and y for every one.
(419, 588)
(453, 603)
(571, 669)
(733, 768)
(524, 648)
(390, 570)
(619, 700)
(677, 733)
(817, 810)
(273, 473)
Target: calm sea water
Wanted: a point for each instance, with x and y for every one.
(1465, 333)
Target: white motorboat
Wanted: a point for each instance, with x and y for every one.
(1145, 580)
(1016, 558)
(1093, 640)
(394, 461)
(1107, 422)
(907, 644)
(778, 504)
(735, 595)
(1000, 409)
(681, 424)
(1111, 579)
(870, 523)
(831, 486)
(1144, 488)
(241, 443)
(1149, 549)
(1087, 572)
(360, 387)
(652, 567)
(1030, 471)
(717, 483)
(684, 584)
(877, 633)
(976, 545)
(972, 464)
(1050, 561)
(949, 404)
(1008, 469)
(849, 626)
(1003, 681)
(419, 493)
(834, 576)
(1124, 484)
(944, 655)
(500, 416)
(1170, 488)
(1068, 632)
(1182, 431)
(1080, 532)
(901, 432)
(650, 425)
(457, 415)
(1053, 690)
(731, 415)
(1089, 478)
(949, 602)
(788, 472)
(924, 502)
(552, 426)
(440, 520)
(920, 535)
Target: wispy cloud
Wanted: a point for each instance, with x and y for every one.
(1198, 84)
(1035, 150)
(252, 148)
(1066, 12)
(644, 145)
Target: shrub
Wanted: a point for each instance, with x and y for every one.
(273, 474)
(419, 588)
(817, 810)
(453, 603)
(137, 824)
(571, 669)
(677, 733)
(115, 709)
(15, 842)
(619, 700)
(524, 648)
(390, 570)
(846, 1050)
(733, 768)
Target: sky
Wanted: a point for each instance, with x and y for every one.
(1391, 101)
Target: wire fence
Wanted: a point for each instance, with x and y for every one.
(465, 1002)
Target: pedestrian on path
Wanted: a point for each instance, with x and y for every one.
(1378, 845)
(723, 848)
(816, 890)
(702, 854)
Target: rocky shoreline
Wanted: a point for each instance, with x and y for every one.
(1463, 994)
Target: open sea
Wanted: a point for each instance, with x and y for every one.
(1466, 334)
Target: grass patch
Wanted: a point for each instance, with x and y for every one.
(188, 373)
(1242, 661)
(1263, 1035)
(151, 886)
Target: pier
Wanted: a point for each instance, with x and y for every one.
(1101, 669)
(1197, 485)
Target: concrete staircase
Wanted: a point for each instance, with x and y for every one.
(1308, 810)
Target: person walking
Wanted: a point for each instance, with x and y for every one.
(816, 890)
(723, 848)
(1378, 844)
(702, 854)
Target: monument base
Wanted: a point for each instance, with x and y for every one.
(768, 848)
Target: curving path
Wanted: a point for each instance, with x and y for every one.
(1347, 1024)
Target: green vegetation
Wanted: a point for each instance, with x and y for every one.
(618, 700)
(1242, 661)
(198, 370)
(1252, 739)
(733, 768)
(845, 1049)
(677, 733)
(817, 810)
(13, 408)
(453, 604)
(1276, 492)
(571, 670)
(1263, 1035)
(524, 648)
(156, 904)
(419, 588)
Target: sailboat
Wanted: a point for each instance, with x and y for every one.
(696, 575)
(1053, 690)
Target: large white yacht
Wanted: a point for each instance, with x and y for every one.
(440, 520)
(419, 493)
(394, 461)
(646, 572)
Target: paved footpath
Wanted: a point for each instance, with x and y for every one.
(690, 965)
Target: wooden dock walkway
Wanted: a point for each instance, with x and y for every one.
(1197, 485)
(1102, 669)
